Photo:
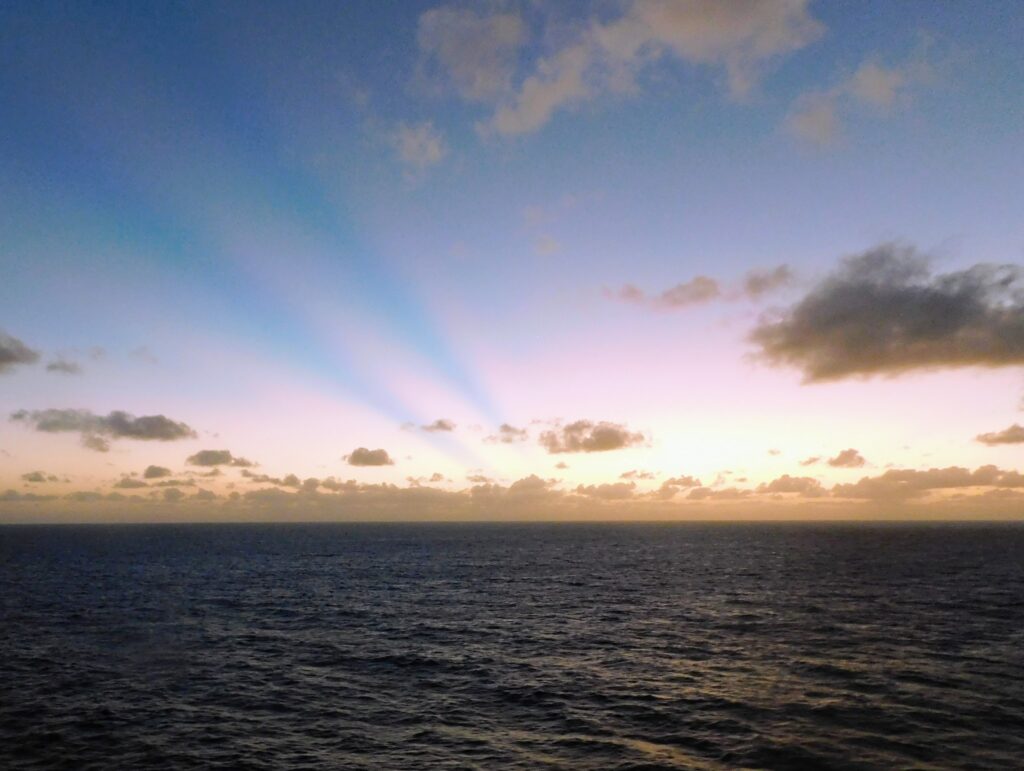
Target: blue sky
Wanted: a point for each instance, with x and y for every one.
(412, 211)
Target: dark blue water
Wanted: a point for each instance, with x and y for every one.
(512, 646)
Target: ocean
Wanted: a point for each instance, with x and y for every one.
(512, 646)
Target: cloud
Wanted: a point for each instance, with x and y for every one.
(636, 474)
(670, 487)
(758, 283)
(727, 494)
(419, 146)
(815, 119)
(848, 458)
(173, 495)
(805, 486)
(738, 38)
(217, 458)
(810, 461)
(156, 472)
(364, 457)
(1012, 435)
(883, 312)
(14, 352)
(587, 436)
(817, 115)
(473, 50)
(129, 483)
(13, 496)
(703, 289)
(64, 367)
(615, 491)
(97, 430)
(899, 484)
(508, 434)
(38, 477)
(546, 245)
(441, 424)
(696, 291)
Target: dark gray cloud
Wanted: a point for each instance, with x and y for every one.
(587, 436)
(1012, 435)
(97, 430)
(64, 367)
(361, 456)
(508, 434)
(884, 312)
(14, 352)
(156, 472)
(217, 458)
(173, 495)
(848, 458)
(441, 424)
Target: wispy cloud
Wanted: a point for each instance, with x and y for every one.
(817, 116)
(419, 146)
(701, 290)
(739, 39)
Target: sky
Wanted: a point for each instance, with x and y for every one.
(634, 259)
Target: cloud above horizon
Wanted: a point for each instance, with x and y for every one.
(361, 456)
(817, 116)
(96, 431)
(848, 458)
(701, 290)
(474, 51)
(883, 312)
(899, 484)
(441, 424)
(508, 434)
(608, 56)
(419, 146)
(1012, 435)
(64, 367)
(587, 436)
(217, 458)
(14, 352)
